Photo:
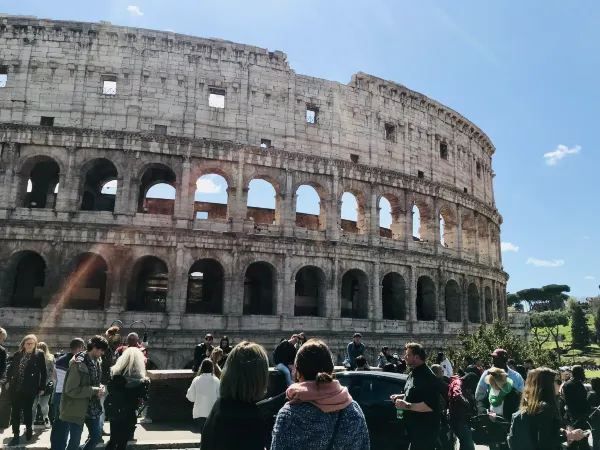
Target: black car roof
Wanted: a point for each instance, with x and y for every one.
(373, 374)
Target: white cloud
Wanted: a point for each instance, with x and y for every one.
(546, 262)
(509, 247)
(135, 10)
(207, 185)
(561, 151)
(589, 277)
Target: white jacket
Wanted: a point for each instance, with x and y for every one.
(204, 392)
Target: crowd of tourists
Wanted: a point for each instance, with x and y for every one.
(506, 403)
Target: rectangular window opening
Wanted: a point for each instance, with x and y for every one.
(312, 113)
(3, 76)
(160, 129)
(390, 132)
(216, 98)
(46, 121)
(202, 215)
(466, 191)
(443, 150)
(354, 158)
(478, 169)
(265, 143)
(421, 174)
(109, 85)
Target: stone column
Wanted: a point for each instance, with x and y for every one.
(436, 225)
(334, 210)
(375, 306)
(412, 295)
(476, 220)
(332, 308)
(441, 296)
(177, 287)
(184, 201)
(482, 315)
(68, 189)
(409, 218)
(284, 305)
(237, 206)
(459, 232)
(124, 193)
(374, 212)
(287, 214)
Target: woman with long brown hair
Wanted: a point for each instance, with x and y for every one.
(537, 423)
(44, 399)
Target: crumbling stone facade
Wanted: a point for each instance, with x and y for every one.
(82, 104)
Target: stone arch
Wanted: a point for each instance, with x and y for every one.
(259, 289)
(263, 202)
(211, 197)
(426, 299)
(149, 285)
(310, 213)
(96, 175)
(469, 242)
(85, 284)
(206, 280)
(483, 239)
(352, 212)
(449, 230)
(390, 217)
(473, 304)
(25, 280)
(355, 294)
(453, 302)
(309, 292)
(422, 219)
(38, 182)
(157, 177)
(393, 297)
(489, 305)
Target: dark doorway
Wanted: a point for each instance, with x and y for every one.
(473, 304)
(100, 186)
(309, 292)
(205, 287)
(393, 297)
(85, 287)
(425, 299)
(28, 280)
(355, 294)
(149, 286)
(258, 289)
(42, 184)
(453, 303)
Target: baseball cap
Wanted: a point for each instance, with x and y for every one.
(500, 353)
(357, 335)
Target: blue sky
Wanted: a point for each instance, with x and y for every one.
(526, 73)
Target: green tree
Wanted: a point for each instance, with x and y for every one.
(545, 325)
(579, 326)
(549, 297)
(597, 324)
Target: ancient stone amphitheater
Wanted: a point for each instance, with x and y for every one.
(87, 107)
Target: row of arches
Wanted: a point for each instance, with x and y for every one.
(157, 192)
(85, 280)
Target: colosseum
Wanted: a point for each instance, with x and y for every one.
(93, 117)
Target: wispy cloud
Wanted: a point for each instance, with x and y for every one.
(552, 158)
(589, 277)
(135, 10)
(209, 185)
(545, 262)
(509, 247)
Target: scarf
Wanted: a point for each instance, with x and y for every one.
(496, 398)
(328, 397)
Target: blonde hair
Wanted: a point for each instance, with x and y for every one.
(44, 348)
(130, 363)
(216, 354)
(246, 372)
(28, 338)
(3, 334)
(496, 378)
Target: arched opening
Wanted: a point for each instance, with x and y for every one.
(26, 279)
(489, 305)
(149, 285)
(205, 287)
(426, 308)
(210, 199)
(42, 176)
(85, 286)
(259, 287)
(448, 228)
(355, 294)
(352, 214)
(309, 290)
(453, 303)
(157, 191)
(473, 304)
(416, 223)
(308, 208)
(99, 186)
(393, 300)
(262, 202)
(442, 231)
(385, 218)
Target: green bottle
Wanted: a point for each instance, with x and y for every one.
(399, 413)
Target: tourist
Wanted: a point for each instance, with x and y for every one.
(127, 387)
(537, 424)
(362, 364)
(80, 401)
(26, 377)
(499, 360)
(355, 349)
(577, 407)
(61, 366)
(226, 347)
(445, 435)
(420, 402)
(216, 356)
(320, 413)
(445, 363)
(593, 399)
(43, 399)
(3, 336)
(202, 351)
(301, 340)
(503, 400)
(284, 356)
(204, 392)
(386, 357)
(462, 407)
(133, 340)
(235, 422)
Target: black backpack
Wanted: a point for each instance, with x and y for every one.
(520, 434)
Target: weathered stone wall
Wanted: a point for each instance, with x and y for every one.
(372, 138)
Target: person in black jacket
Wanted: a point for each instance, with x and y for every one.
(127, 387)
(3, 335)
(202, 351)
(26, 378)
(235, 421)
(578, 409)
(224, 345)
(284, 356)
(593, 399)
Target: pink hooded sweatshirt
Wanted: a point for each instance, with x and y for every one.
(328, 396)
